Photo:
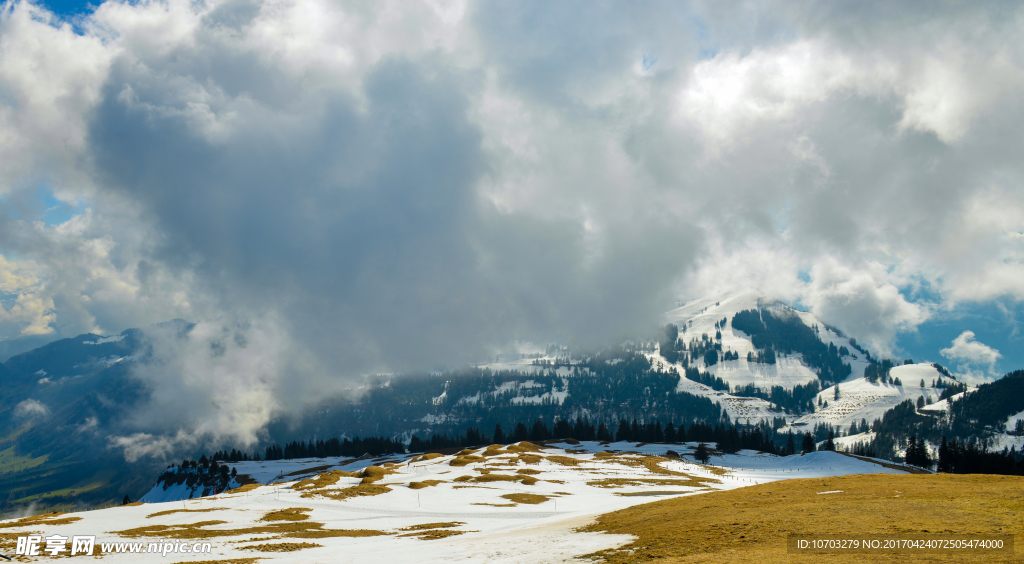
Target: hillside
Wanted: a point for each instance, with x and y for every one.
(706, 365)
(59, 403)
(737, 358)
(503, 503)
(752, 524)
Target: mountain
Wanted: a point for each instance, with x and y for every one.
(704, 367)
(805, 352)
(736, 358)
(58, 404)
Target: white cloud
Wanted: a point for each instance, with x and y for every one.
(31, 408)
(966, 349)
(399, 185)
(88, 426)
(222, 381)
(160, 447)
(31, 309)
(50, 80)
(863, 302)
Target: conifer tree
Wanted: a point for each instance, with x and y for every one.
(623, 434)
(521, 433)
(539, 432)
(808, 443)
(790, 445)
(670, 432)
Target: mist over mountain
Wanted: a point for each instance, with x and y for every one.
(94, 418)
(351, 202)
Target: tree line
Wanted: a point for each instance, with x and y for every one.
(788, 334)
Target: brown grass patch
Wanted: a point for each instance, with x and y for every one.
(281, 546)
(620, 482)
(323, 480)
(290, 514)
(513, 461)
(366, 487)
(716, 470)
(493, 450)
(244, 488)
(43, 519)
(427, 456)
(496, 504)
(563, 460)
(528, 471)
(373, 474)
(362, 490)
(424, 484)
(525, 446)
(532, 499)
(555, 481)
(170, 511)
(521, 478)
(425, 526)
(433, 534)
(751, 524)
(465, 460)
(290, 529)
(9, 541)
(651, 463)
(332, 533)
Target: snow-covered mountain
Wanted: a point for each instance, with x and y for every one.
(859, 398)
(786, 375)
(738, 357)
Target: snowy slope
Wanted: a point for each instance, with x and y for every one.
(694, 320)
(861, 399)
(578, 483)
(699, 317)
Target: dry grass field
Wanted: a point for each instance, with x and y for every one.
(752, 524)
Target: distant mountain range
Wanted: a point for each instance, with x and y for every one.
(737, 357)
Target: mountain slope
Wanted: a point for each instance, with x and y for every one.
(59, 402)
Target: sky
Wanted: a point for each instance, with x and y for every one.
(332, 189)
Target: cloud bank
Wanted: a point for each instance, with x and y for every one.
(351, 188)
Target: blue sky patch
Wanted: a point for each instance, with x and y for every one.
(70, 7)
(996, 324)
(38, 204)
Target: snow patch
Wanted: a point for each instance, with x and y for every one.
(101, 340)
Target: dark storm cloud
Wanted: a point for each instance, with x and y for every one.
(398, 187)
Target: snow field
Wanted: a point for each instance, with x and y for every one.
(861, 399)
(492, 528)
